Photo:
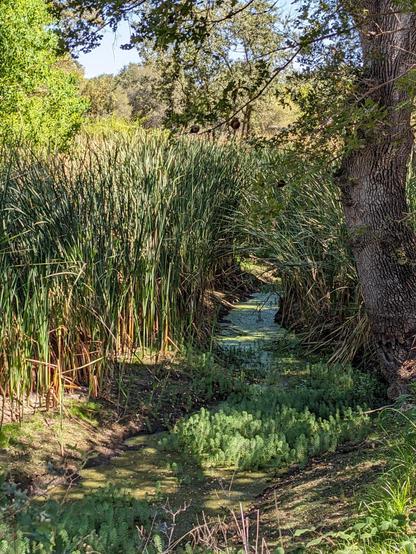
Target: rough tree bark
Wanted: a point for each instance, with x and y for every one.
(373, 180)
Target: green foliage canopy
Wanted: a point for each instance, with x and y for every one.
(39, 98)
(208, 82)
(221, 58)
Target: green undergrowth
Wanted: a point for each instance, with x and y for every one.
(86, 411)
(196, 378)
(273, 426)
(9, 433)
(210, 378)
(12, 433)
(385, 520)
(104, 521)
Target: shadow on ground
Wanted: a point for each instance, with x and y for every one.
(320, 497)
(174, 482)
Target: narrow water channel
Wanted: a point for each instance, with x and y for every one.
(145, 471)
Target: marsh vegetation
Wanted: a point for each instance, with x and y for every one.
(207, 295)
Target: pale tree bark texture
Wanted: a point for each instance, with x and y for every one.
(373, 181)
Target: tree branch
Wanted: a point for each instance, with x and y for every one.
(277, 72)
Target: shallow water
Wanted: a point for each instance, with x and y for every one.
(250, 322)
(250, 327)
(145, 471)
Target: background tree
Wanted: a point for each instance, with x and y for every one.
(142, 84)
(206, 82)
(106, 97)
(39, 93)
(132, 95)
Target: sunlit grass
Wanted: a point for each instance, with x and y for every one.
(105, 251)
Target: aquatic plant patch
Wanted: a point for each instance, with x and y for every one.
(104, 521)
(272, 427)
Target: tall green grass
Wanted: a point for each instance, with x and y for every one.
(106, 249)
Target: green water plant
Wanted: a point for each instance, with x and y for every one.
(270, 426)
(104, 521)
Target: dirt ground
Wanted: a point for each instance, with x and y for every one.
(51, 447)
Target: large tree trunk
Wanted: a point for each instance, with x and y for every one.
(372, 178)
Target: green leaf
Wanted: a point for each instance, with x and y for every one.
(385, 525)
(315, 542)
(300, 532)
(409, 547)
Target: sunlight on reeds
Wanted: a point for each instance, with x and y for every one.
(107, 249)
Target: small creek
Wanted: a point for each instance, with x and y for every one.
(250, 326)
(144, 471)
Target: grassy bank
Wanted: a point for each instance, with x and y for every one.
(385, 518)
(49, 448)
